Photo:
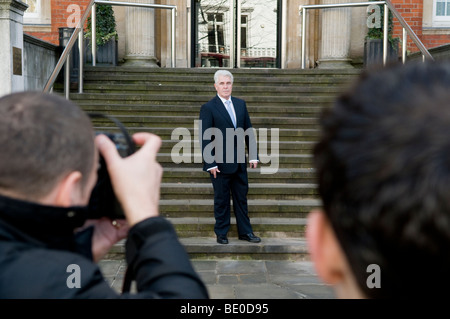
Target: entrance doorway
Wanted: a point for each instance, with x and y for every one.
(236, 33)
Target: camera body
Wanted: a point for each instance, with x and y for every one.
(103, 201)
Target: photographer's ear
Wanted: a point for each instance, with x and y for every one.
(328, 257)
(324, 248)
(68, 191)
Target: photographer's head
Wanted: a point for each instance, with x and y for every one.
(383, 165)
(48, 153)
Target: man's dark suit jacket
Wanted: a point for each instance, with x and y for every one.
(213, 114)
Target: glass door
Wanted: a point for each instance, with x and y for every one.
(235, 33)
(213, 33)
(258, 33)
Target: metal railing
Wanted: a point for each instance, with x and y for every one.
(387, 6)
(65, 56)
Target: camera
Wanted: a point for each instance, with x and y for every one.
(103, 202)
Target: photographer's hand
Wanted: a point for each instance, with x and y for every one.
(136, 179)
(106, 234)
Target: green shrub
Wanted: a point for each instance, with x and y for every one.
(105, 24)
(378, 33)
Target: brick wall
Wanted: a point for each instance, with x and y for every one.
(412, 12)
(435, 40)
(60, 16)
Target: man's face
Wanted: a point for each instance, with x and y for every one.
(224, 87)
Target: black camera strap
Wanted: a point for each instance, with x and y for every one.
(131, 149)
(131, 145)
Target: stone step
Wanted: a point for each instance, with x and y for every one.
(182, 145)
(256, 207)
(193, 109)
(161, 99)
(158, 88)
(263, 227)
(284, 147)
(207, 84)
(165, 133)
(274, 191)
(191, 73)
(266, 161)
(207, 248)
(207, 80)
(268, 249)
(188, 121)
(283, 175)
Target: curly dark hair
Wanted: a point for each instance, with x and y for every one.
(383, 168)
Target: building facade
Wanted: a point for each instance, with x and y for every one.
(245, 33)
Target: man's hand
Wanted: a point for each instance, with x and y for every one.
(253, 164)
(106, 234)
(214, 171)
(136, 179)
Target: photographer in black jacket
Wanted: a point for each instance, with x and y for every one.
(48, 247)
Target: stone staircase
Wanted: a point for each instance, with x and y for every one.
(161, 100)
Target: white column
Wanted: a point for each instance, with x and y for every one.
(336, 30)
(11, 46)
(140, 35)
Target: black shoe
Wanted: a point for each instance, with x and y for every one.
(222, 239)
(250, 237)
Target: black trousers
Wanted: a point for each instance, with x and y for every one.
(236, 185)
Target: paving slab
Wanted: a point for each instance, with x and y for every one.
(245, 279)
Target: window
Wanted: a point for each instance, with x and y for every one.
(216, 39)
(38, 12)
(442, 8)
(441, 13)
(34, 7)
(244, 28)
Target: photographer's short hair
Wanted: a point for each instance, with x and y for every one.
(383, 165)
(43, 137)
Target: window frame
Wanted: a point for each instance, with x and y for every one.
(42, 15)
(440, 21)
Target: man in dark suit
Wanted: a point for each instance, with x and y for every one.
(225, 125)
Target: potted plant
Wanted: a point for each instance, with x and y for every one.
(106, 36)
(373, 44)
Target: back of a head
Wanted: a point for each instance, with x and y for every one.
(43, 137)
(383, 165)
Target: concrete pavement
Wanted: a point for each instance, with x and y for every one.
(245, 279)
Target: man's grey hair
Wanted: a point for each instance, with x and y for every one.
(223, 73)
